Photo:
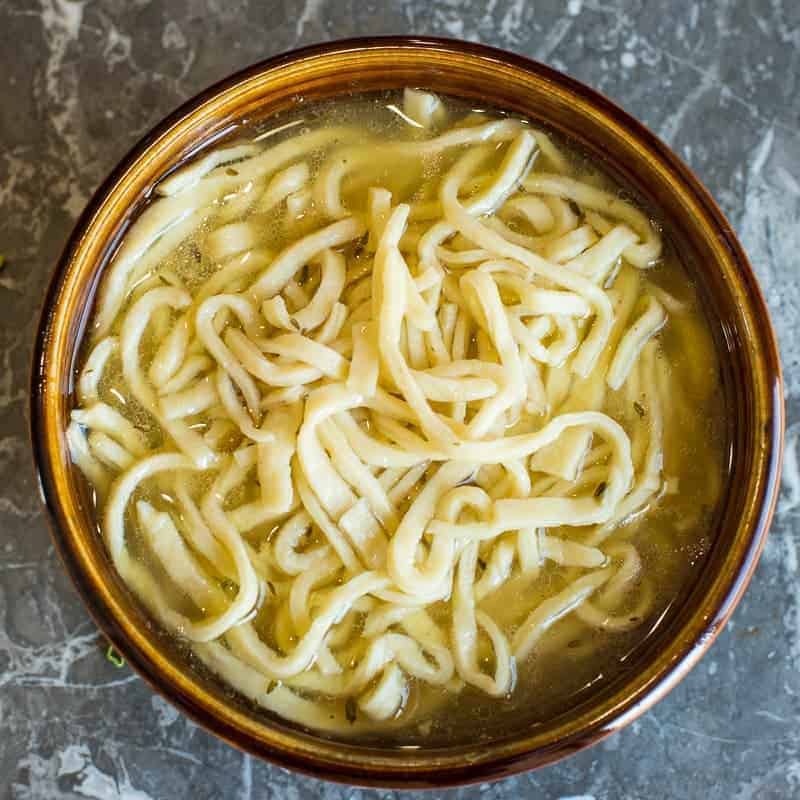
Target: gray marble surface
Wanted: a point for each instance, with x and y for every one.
(81, 81)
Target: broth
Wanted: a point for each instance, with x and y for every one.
(404, 417)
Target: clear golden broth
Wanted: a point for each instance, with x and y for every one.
(672, 536)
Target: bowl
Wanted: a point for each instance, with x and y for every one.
(751, 377)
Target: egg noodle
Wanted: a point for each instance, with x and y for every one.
(334, 466)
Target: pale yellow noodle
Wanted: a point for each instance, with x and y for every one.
(372, 456)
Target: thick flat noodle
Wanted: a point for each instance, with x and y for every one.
(636, 337)
(288, 262)
(92, 372)
(187, 177)
(156, 234)
(373, 419)
(486, 238)
(109, 452)
(332, 266)
(555, 608)
(642, 255)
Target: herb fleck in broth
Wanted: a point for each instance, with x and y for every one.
(403, 418)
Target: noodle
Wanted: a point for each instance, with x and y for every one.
(368, 440)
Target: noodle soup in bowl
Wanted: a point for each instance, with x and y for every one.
(407, 413)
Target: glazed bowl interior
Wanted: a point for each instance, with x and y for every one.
(750, 376)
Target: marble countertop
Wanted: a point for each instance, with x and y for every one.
(81, 81)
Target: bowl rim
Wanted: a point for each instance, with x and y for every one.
(687, 652)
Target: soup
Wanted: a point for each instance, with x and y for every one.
(401, 415)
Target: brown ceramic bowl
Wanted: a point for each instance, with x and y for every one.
(733, 302)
